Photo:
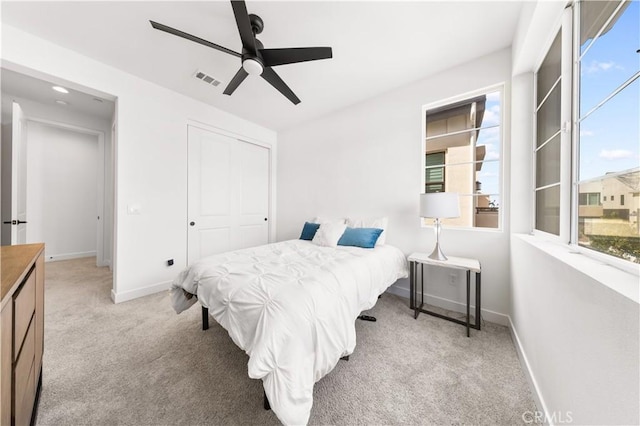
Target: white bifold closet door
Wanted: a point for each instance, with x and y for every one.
(229, 185)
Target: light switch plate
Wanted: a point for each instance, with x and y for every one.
(133, 209)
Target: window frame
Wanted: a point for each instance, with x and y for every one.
(501, 88)
(564, 25)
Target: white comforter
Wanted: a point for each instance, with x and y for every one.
(292, 307)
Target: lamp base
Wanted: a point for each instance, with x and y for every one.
(437, 254)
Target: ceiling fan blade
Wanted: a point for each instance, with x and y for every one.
(274, 79)
(182, 34)
(273, 57)
(244, 25)
(235, 81)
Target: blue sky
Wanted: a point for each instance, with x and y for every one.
(610, 136)
(489, 175)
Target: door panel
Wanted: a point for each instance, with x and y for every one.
(213, 241)
(253, 235)
(214, 178)
(254, 198)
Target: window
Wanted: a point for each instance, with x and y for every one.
(548, 140)
(589, 199)
(434, 173)
(607, 122)
(587, 124)
(463, 145)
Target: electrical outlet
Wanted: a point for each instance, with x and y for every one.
(452, 279)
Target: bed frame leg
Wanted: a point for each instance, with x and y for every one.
(266, 401)
(205, 318)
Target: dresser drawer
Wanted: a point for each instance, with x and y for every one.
(24, 402)
(24, 306)
(24, 365)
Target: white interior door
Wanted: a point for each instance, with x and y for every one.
(209, 193)
(228, 194)
(254, 194)
(18, 177)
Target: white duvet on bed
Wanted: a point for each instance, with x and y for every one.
(291, 306)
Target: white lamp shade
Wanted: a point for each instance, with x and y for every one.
(439, 205)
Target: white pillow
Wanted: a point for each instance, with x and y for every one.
(380, 223)
(328, 234)
(322, 219)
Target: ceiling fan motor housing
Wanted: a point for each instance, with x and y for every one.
(252, 62)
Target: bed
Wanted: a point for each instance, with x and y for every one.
(291, 306)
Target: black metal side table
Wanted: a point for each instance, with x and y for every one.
(460, 263)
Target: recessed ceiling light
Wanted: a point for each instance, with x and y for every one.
(58, 101)
(60, 89)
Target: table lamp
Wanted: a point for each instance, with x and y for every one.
(439, 205)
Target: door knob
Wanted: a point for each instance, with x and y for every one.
(265, 219)
(21, 221)
(192, 223)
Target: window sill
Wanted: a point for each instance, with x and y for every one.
(623, 282)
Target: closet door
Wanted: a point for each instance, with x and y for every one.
(253, 218)
(228, 194)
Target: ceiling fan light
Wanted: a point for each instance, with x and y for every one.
(252, 67)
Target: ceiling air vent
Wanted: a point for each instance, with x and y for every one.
(206, 78)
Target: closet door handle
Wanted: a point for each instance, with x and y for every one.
(192, 223)
(20, 221)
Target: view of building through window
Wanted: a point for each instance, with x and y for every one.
(609, 127)
(463, 151)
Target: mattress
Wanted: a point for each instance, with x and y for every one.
(291, 306)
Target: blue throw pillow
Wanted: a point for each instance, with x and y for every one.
(360, 237)
(309, 231)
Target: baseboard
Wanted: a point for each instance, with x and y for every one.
(125, 296)
(452, 305)
(68, 256)
(533, 384)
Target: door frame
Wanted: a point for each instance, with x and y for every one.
(100, 190)
(241, 138)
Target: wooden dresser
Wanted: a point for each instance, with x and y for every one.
(21, 332)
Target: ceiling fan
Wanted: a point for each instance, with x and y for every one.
(256, 60)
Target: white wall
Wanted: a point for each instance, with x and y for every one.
(62, 191)
(366, 161)
(578, 336)
(150, 156)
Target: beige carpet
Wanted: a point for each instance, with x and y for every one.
(138, 363)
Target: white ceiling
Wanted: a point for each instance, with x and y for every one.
(377, 46)
(23, 86)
